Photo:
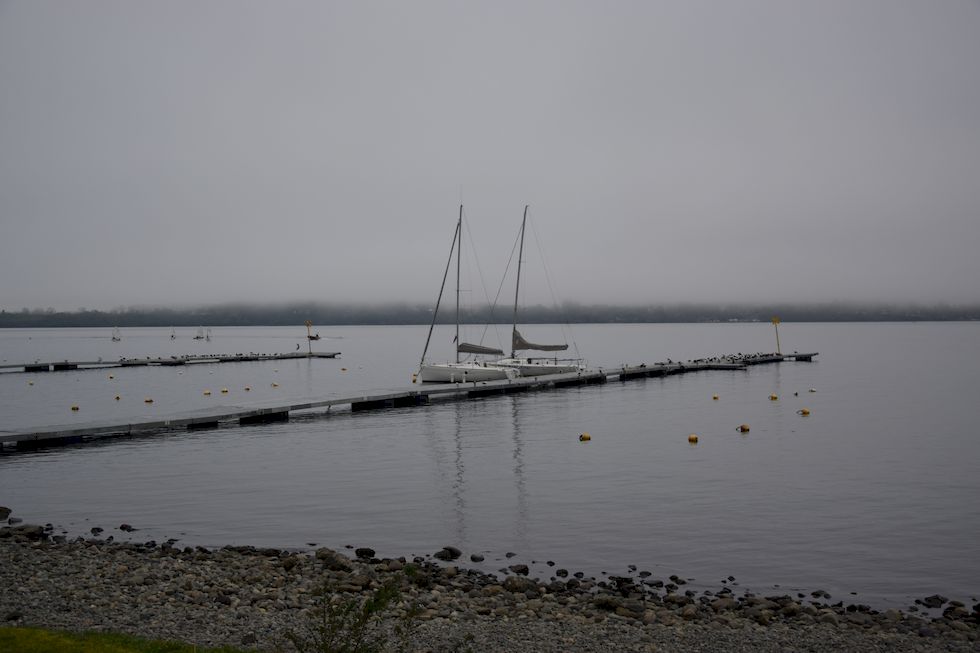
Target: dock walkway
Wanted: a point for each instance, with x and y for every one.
(66, 365)
(276, 411)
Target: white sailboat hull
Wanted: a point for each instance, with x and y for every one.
(537, 367)
(467, 372)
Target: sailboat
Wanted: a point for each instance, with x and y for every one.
(200, 334)
(460, 371)
(116, 336)
(207, 336)
(173, 333)
(532, 366)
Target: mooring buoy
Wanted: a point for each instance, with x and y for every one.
(743, 428)
(693, 438)
(803, 411)
(773, 397)
(714, 397)
(584, 437)
(75, 408)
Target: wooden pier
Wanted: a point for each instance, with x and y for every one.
(62, 366)
(420, 395)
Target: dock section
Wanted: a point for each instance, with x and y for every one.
(62, 366)
(420, 395)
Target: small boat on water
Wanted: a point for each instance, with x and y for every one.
(173, 333)
(460, 371)
(200, 334)
(116, 336)
(541, 365)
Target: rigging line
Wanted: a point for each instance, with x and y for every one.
(551, 289)
(483, 284)
(504, 277)
(435, 313)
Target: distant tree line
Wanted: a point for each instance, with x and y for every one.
(340, 314)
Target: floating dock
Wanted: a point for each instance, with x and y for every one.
(62, 366)
(420, 395)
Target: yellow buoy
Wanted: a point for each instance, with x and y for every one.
(743, 428)
(118, 397)
(693, 438)
(804, 411)
(207, 393)
(714, 397)
(74, 408)
(584, 437)
(224, 391)
(148, 400)
(773, 397)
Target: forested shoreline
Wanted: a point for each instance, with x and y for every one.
(350, 314)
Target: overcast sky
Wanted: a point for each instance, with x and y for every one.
(185, 152)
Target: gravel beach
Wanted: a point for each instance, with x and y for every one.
(250, 598)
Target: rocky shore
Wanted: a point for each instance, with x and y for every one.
(251, 598)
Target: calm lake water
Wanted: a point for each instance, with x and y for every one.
(874, 493)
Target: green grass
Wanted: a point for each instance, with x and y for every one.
(35, 640)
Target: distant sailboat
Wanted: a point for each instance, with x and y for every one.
(532, 366)
(116, 336)
(200, 334)
(207, 336)
(173, 334)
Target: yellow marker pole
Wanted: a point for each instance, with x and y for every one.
(775, 323)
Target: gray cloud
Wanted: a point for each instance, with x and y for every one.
(189, 152)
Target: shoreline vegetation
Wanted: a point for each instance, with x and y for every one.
(323, 600)
(403, 313)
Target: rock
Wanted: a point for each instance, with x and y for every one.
(689, 613)
(519, 584)
(448, 553)
(934, 601)
(14, 520)
(4, 512)
(724, 604)
(509, 554)
(364, 552)
(450, 571)
(561, 573)
(127, 528)
(829, 618)
(96, 530)
(520, 569)
(289, 562)
(476, 557)
(14, 615)
(249, 639)
(332, 560)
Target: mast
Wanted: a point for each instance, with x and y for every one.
(459, 251)
(435, 313)
(517, 290)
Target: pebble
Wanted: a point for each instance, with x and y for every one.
(244, 596)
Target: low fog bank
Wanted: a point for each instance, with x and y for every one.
(341, 314)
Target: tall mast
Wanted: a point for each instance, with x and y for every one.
(517, 291)
(459, 251)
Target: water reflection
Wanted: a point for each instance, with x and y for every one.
(520, 482)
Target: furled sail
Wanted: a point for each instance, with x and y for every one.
(520, 343)
(467, 348)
